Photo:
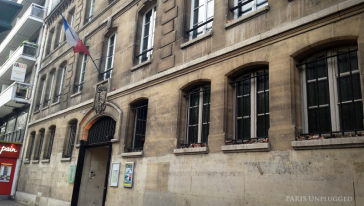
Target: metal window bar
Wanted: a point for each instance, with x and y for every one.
(71, 140)
(144, 52)
(241, 4)
(342, 131)
(14, 136)
(242, 139)
(140, 121)
(200, 25)
(88, 19)
(57, 97)
(192, 145)
(39, 147)
(47, 155)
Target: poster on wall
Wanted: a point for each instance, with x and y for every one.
(114, 177)
(5, 171)
(129, 173)
(71, 177)
(18, 72)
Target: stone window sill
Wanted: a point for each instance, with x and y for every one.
(247, 17)
(45, 161)
(195, 40)
(257, 147)
(35, 161)
(36, 112)
(141, 65)
(68, 159)
(76, 94)
(332, 143)
(191, 151)
(55, 103)
(132, 154)
(44, 108)
(26, 161)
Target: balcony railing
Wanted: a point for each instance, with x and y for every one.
(14, 136)
(37, 11)
(23, 91)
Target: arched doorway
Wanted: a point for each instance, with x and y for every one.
(91, 180)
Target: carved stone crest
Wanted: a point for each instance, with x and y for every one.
(100, 98)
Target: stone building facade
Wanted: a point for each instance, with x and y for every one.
(215, 102)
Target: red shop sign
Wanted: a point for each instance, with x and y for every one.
(10, 150)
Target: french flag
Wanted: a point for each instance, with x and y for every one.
(73, 39)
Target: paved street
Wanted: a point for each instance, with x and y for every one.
(9, 203)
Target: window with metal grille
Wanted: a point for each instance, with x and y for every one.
(40, 145)
(48, 151)
(332, 96)
(146, 47)
(251, 106)
(198, 115)
(202, 16)
(110, 56)
(71, 139)
(243, 7)
(140, 123)
(30, 146)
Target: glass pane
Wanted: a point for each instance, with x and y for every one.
(310, 71)
(246, 8)
(111, 50)
(262, 127)
(145, 44)
(112, 39)
(210, 9)
(109, 63)
(356, 86)
(345, 86)
(260, 103)
(206, 114)
(246, 126)
(311, 94)
(205, 132)
(359, 115)
(193, 134)
(325, 121)
(343, 63)
(312, 121)
(194, 99)
(193, 116)
(267, 102)
(323, 92)
(260, 81)
(206, 95)
(261, 3)
(354, 61)
(148, 17)
(20, 123)
(243, 128)
(321, 68)
(246, 106)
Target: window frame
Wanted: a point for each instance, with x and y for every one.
(205, 18)
(82, 73)
(141, 106)
(32, 139)
(51, 88)
(71, 140)
(201, 90)
(91, 12)
(40, 145)
(109, 70)
(150, 35)
(332, 66)
(253, 85)
(48, 152)
(43, 81)
(253, 8)
(60, 90)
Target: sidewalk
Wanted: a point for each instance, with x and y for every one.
(9, 203)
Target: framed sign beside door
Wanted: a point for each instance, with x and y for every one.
(129, 173)
(114, 175)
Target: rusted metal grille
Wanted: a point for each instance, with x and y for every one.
(102, 131)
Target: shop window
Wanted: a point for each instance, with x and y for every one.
(332, 96)
(198, 115)
(202, 16)
(251, 106)
(5, 172)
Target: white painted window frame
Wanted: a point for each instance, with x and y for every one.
(61, 83)
(254, 7)
(107, 55)
(253, 107)
(41, 96)
(83, 71)
(151, 33)
(203, 20)
(51, 89)
(332, 65)
(92, 4)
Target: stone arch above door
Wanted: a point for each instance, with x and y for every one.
(91, 118)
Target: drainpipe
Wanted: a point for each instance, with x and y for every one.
(43, 31)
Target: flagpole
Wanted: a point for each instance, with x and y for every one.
(95, 65)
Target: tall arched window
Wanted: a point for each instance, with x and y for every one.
(49, 142)
(331, 89)
(70, 139)
(198, 115)
(40, 144)
(30, 146)
(251, 106)
(147, 41)
(140, 113)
